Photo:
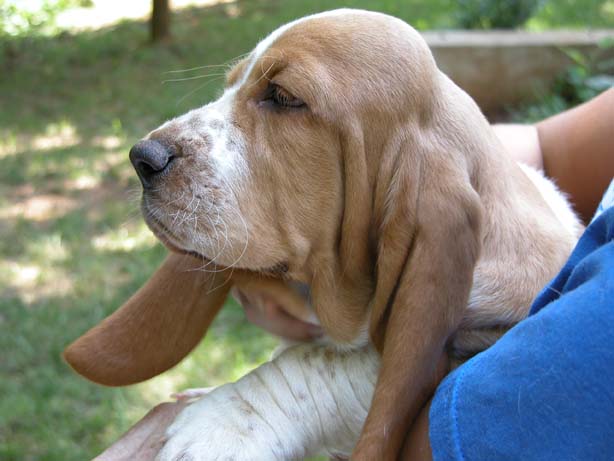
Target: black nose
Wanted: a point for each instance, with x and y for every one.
(149, 158)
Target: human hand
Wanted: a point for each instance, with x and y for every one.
(145, 439)
(263, 310)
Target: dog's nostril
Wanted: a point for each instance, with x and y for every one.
(149, 158)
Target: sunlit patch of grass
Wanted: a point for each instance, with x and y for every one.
(56, 135)
(38, 276)
(81, 182)
(34, 283)
(8, 143)
(39, 208)
(49, 248)
(125, 239)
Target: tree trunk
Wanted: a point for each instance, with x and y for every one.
(160, 21)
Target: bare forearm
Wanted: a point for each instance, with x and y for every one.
(522, 143)
(578, 151)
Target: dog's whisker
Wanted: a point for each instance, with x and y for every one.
(192, 69)
(200, 87)
(264, 73)
(235, 263)
(194, 77)
(226, 242)
(211, 290)
(188, 211)
(203, 268)
(217, 235)
(177, 199)
(219, 253)
(237, 260)
(181, 210)
(228, 64)
(237, 210)
(193, 215)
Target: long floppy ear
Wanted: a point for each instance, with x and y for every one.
(428, 245)
(156, 328)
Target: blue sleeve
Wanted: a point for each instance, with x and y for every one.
(545, 390)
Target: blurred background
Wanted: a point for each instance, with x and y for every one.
(80, 82)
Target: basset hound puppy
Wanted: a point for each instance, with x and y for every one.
(341, 158)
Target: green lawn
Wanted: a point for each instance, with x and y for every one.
(72, 243)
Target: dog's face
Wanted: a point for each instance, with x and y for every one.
(256, 179)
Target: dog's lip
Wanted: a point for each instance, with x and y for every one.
(164, 235)
(279, 269)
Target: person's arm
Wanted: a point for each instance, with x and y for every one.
(521, 142)
(269, 314)
(578, 151)
(574, 148)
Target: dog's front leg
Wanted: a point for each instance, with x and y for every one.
(308, 400)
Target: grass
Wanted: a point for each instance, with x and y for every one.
(73, 245)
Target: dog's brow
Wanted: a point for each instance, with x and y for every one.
(263, 47)
(236, 72)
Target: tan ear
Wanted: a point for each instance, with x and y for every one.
(427, 250)
(156, 328)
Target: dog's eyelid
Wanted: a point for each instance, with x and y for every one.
(278, 96)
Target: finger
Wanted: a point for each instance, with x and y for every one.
(143, 441)
(245, 301)
(287, 326)
(272, 317)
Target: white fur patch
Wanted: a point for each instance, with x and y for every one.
(308, 400)
(227, 141)
(555, 199)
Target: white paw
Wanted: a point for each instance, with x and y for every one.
(220, 426)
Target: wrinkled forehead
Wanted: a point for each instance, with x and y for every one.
(342, 63)
(333, 48)
(344, 39)
(265, 48)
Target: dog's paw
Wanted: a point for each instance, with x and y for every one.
(220, 426)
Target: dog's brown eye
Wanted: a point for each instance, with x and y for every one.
(279, 97)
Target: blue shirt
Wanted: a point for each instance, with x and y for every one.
(545, 390)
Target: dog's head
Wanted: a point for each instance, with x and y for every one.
(338, 156)
(266, 177)
(294, 170)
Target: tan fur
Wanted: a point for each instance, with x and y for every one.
(390, 196)
(152, 331)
